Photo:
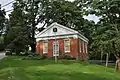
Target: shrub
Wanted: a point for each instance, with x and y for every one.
(68, 57)
(32, 56)
(51, 58)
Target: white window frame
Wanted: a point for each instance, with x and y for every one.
(67, 45)
(83, 45)
(45, 51)
(80, 47)
(86, 47)
(55, 49)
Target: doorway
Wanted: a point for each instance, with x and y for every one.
(55, 48)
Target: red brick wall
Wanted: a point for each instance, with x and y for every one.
(83, 55)
(74, 48)
(41, 47)
(38, 47)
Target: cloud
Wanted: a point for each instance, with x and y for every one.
(92, 17)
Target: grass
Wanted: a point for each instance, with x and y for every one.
(13, 68)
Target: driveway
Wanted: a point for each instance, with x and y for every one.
(2, 55)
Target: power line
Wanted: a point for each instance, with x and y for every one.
(7, 4)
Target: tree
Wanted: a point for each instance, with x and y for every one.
(2, 27)
(2, 20)
(69, 14)
(47, 12)
(28, 14)
(16, 35)
(107, 34)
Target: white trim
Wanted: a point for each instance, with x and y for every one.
(80, 47)
(65, 45)
(83, 38)
(86, 47)
(75, 34)
(45, 42)
(63, 36)
(56, 24)
(57, 37)
(55, 51)
(83, 46)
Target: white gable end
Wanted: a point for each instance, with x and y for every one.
(61, 30)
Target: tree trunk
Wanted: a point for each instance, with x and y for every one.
(33, 14)
(101, 56)
(33, 48)
(107, 59)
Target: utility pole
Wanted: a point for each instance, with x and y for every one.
(55, 51)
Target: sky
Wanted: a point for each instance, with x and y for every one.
(9, 7)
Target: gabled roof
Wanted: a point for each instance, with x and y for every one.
(62, 30)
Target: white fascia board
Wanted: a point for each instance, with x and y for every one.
(64, 36)
(55, 24)
(83, 37)
(57, 37)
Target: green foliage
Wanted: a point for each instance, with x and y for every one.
(27, 14)
(1, 43)
(32, 57)
(104, 37)
(2, 20)
(106, 34)
(2, 27)
(67, 57)
(17, 33)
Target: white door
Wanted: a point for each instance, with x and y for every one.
(55, 48)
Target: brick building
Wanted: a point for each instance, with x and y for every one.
(58, 40)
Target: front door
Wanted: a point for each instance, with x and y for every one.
(55, 48)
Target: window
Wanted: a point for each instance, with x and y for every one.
(83, 46)
(55, 48)
(86, 48)
(67, 45)
(80, 49)
(45, 47)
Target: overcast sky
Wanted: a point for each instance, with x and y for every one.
(9, 7)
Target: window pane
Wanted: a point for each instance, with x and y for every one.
(45, 47)
(55, 48)
(83, 46)
(67, 45)
(86, 48)
(80, 45)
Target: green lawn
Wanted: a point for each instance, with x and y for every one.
(13, 68)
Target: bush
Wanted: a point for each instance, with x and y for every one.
(44, 56)
(51, 58)
(32, 56)
(68, 57)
